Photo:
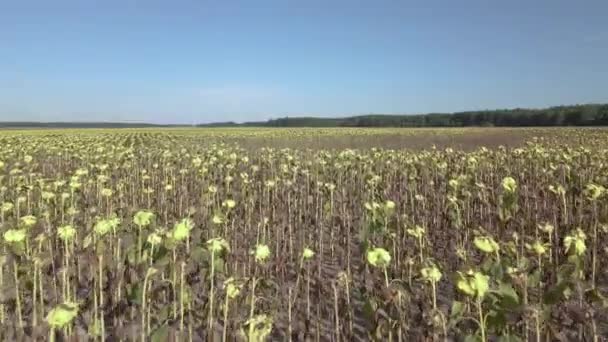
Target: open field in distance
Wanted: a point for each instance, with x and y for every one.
(338, 138)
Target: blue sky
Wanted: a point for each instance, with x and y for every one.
(201, 61)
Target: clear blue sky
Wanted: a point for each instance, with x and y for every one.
(201, 61)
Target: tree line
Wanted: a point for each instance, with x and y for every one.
(75, 125)
(575, 115)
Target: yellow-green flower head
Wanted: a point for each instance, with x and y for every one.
(28, 159)
(7, 206)
(262, 327)
(416, 232)
(28, 220)
(371, 206)
(114, 222)
(72, 211)
(374, 180)
(576, 242)
(512, 270)
(62, 315)
(378, 257)
(66, 232)
(473, 284)
(261, 253)
(81, 172)
(233, 289)
(229, 203)
(453, 183)
(539, 248)
(217, 245)
(390, 205)
(75, 184)
(107, 192)
(486, 244)
(154, 239)
(15, 235)
(509, 184)
(102, 227)
(515, 237)
(143, 218)
(217, 219)
(308, 253)
(181, 230)
(197, 162)
(594, 191)
(431, 273)
(212, 189)
(547, 228)
(558, 190)
(47, 196)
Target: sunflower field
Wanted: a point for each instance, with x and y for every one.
(304, 235)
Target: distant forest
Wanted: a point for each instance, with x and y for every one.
(36, 124)
(575, 115)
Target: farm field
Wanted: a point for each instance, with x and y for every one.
(246, 234)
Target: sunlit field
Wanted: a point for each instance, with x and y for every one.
(254, 234)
